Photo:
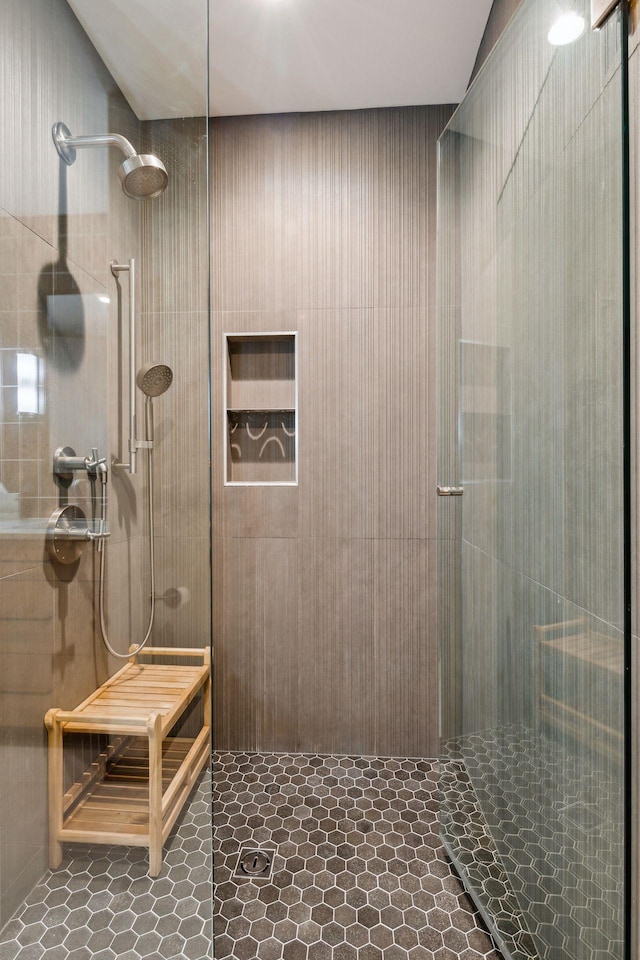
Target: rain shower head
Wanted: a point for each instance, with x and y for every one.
(142, 175)
(154, 379)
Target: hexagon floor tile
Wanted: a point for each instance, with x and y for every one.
(360, 872)
(102, 905)
(537, 826)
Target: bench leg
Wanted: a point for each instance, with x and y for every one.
(54, 761)
(207, 695)
(154, 729)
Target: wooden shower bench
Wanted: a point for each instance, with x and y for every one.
(134, 790)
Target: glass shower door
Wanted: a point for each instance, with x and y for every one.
(118, 76)
(531, 556)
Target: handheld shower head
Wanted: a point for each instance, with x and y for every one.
(154, 379)
(142, 175)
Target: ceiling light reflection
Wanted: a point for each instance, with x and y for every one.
(566, 29)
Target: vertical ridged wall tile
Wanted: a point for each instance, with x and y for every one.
(368, 663)
(325, 224)
(175, 331)
(183, 563)
(339, 206)
(367, 424)
(338, 668)
(340, 675)
(236, 652)
(176, 269)
(180, 455)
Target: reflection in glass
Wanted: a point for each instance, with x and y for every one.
(30, 375)
(530, 301)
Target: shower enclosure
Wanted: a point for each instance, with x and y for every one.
(114, 74)
(532, 553)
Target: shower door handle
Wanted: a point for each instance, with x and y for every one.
(449, 491)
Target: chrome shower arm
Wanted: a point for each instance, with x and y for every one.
(105, 140)
(66, 144)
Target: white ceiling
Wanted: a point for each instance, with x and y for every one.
(274, 56)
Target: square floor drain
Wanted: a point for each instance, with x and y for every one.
(255, 863)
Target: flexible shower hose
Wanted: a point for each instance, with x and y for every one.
(102, 547)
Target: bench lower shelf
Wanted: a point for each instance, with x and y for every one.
(114, 809)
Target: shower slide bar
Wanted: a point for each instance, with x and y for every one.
(134, 444)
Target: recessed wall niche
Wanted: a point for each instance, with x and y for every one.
(260, 391)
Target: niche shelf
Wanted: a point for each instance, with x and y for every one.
(261, 415)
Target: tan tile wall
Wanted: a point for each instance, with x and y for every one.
(325, 593)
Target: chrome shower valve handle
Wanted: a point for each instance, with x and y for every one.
(97, 536)
(66, 462)
(67, 533)
(96, 466)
